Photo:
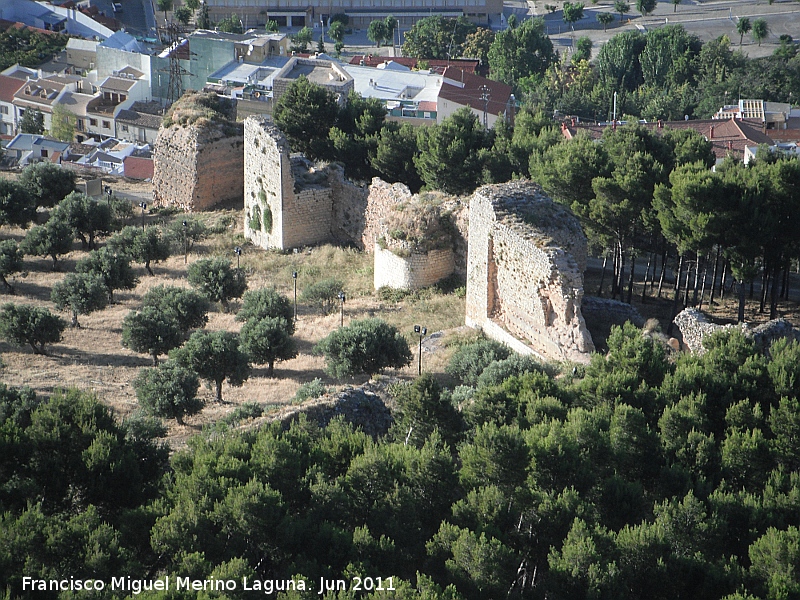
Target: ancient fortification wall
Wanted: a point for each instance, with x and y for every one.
(525, 269)
(197, 161)
(695, 327)
(290, 202)
(411, 272)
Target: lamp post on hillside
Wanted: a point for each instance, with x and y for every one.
(108, 195)
(238, 252)
(342, 299)
(485, 95)
(294, 277)
(185, 242)
(421, 332)
(143, 206)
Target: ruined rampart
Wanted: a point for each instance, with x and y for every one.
(525, 267)
(198, 156)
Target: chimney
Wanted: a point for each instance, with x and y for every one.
(730, 145)
(711, 133)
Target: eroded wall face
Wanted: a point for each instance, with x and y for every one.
(411, 272)
(521, 282)
(196, 168)
(266, 168)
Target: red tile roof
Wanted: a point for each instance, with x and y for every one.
(8, 87)
(725, 136)
(427, 105)
(467, 91)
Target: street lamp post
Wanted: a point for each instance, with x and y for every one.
(238, 252)
(143, 205)
(108, 195)
(185, 242)
(294, 277)
(421, 332)
(342, 299)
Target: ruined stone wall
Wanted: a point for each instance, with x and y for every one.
(196, 166)
(695, 326)
(525, 268)
(411, 272)
(267, 173)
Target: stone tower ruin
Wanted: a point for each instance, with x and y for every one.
(198, 156)
(525, 267)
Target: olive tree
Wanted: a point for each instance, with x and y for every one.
(188, 307)
(268, 340)
(47, 183)
(52, 239)
(10, 261)
(217, 279)
(215, 356)
(81, 294)
(364, 347)
(168, 391)
(143, 245)
(149, 331)
(114, 267)
(32, 325)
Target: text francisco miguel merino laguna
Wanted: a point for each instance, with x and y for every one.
(268, 586)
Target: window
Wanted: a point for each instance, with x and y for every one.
(44, 153)
(106, 124)
(93, 122)
(4, 110)
(124, 128)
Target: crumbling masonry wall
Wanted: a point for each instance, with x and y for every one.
(412, 272)
(525, 267)
(289, 202)
(198, 164)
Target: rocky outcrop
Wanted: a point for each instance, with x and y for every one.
(525, 268)
(695, 326)
(198, 156)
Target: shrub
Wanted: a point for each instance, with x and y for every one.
(214, 356)
(497, 372)
(113, 267)
(152, 332)
(323, 293)
(143, 245)
(470, 360)
(248, 410)
(51, 239)
(194, 231)
(310, 390)
(168, 391)
(188, 307)
(23, 324)
(10, 261)
(47, 183)
(365, 347)
(266, 302)
(81, 294)
(217, 280)
(268, 340)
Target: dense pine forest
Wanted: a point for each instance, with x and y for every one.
(642, 475)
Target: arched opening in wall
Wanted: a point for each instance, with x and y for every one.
(493, 305)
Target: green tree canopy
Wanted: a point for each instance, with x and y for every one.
(17, 206)
(168, 391)
(520, 52)
(267, 340)
(437, 37)
(10, 261)
(23, 324)
(32, 121)
(48, 183)
(81, 294)
(217, 280)
(449, 156)
(52, 239)
(214, 356)
(364, 347)
(88, 219)
(151, 332)
(265, 303)
(188, 307)
(113, 267)
(305, 114)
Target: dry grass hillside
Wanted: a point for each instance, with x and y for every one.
(92, 357)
